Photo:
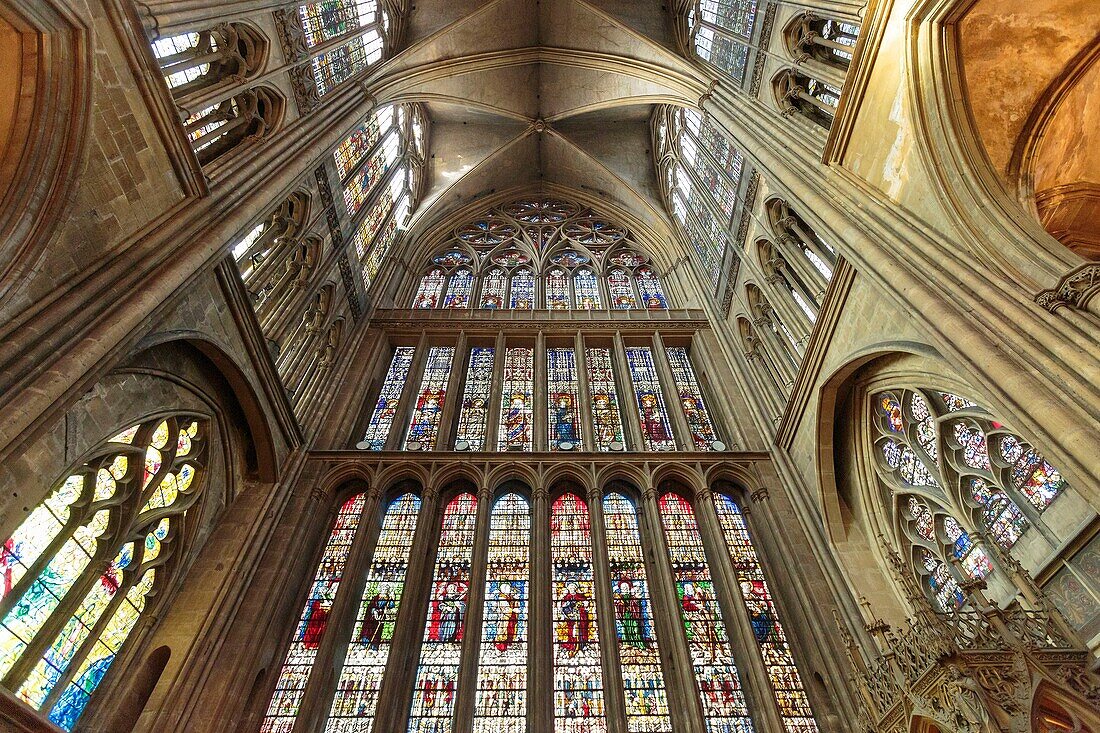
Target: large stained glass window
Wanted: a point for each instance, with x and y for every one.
(516, 406)
(521, 295)
(385, 410)
(607, 422)
(493, 288)
(578, 679)
(343, 62)
(656, 430)
(711, 652)
(424, 426)
(691, 398)
(587, 287)
(356, 699)
(324, 21)
(283, 708)
(790, 695)
(501, 704)
(359, 186)
(621, 289)
(473, 415)
(557, 290)
(436, 686)
(653, 295)
(102, 531)
(355, 147)
(458, 292)
(722, 31)
(562, 399)
(430, 290)
(643, 681)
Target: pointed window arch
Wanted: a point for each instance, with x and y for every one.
(78, 571)
(191, 62)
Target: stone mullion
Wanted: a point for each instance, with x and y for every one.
(680, 427)
(778, 355)
(805, 238)
(685, 708)
(755, 682)
(614, 698)
(795, 257)
(789, 310)
(395, 440)
(395, 695)
(280, 324)
(540, 661)
(444, 439)
(321, 687)
(475, 609)
(584, 396)
(628, 405)
(492, 417)
(540, 429)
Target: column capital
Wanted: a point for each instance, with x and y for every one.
(649, 493)
(540, 493)
(485, 493)
(595, 494)
(319, 494)
(758, 495)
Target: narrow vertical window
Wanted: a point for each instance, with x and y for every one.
(359, 186)
(790, 695)
(607, 423)
(621, 288)
(431, 289)
(643, 681)
(562, 397)
(424, 426)
(515, 403)
(458, 293)
(381, 420)
(441, 650)
(283, 708)
(649, 285)
(501, 705)
(521, 296)
(362, 139)
(587, 287)
(656, 430)
(711, 652)
(493, 286)
(691, 398)
(365, 662)
(473, 417)
(578, 677)
(557, 290)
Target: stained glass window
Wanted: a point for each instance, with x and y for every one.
(578, 679)
(501, 704)
(562, 399)
(945, 589)
(607, 422)
(711, 653)
(1032, 476)
(355, 146)
(587, 287)
(436, 684)
(790, 695)
(493, 287)
(283, 708)
(360, 185)
(424, 426)
(516, 400)
(369, 647)
(557, 290)
(1000, 514)
(619, 285)
(385, 410)
(431, 289)
(656, 430)
(458, 292)
(649, 285)
(341, 63)
(473, 417)
(643, 681)
(324, 21)
(177, 55)
(974, 561)
(131, 490)
(522, 294)
(691, 398)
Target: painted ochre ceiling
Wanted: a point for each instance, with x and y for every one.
(525, 94)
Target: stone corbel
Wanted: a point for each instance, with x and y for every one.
(1076, 289)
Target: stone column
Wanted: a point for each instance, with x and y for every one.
(448, 419)
(540, 663)
(540, 440)
(492, 428)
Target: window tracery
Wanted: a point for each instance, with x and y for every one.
(809, 97)
(274, 258)
(79, 571)
(721, 32)
(582, 261)
(351, 35)
(955, 472)
(224, 126)
(199, 60)
(826, 40)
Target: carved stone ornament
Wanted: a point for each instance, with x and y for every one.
(292, 36)
(1074, 290)
(305, 88)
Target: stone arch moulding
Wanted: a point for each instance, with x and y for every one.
(45, 94)
(999, 232)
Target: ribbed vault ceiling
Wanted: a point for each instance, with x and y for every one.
(525, 92)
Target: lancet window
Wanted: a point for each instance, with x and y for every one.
(351, 36)
(81, 570)
(541, 253)
(226, 125)
(379, 169)
(955, 475)
(701, 171)
(721, 32)
(478, 642)
(195, 61)
(416, 421)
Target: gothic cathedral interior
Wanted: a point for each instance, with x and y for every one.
(550, 366)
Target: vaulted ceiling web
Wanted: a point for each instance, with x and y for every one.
(526, 92)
